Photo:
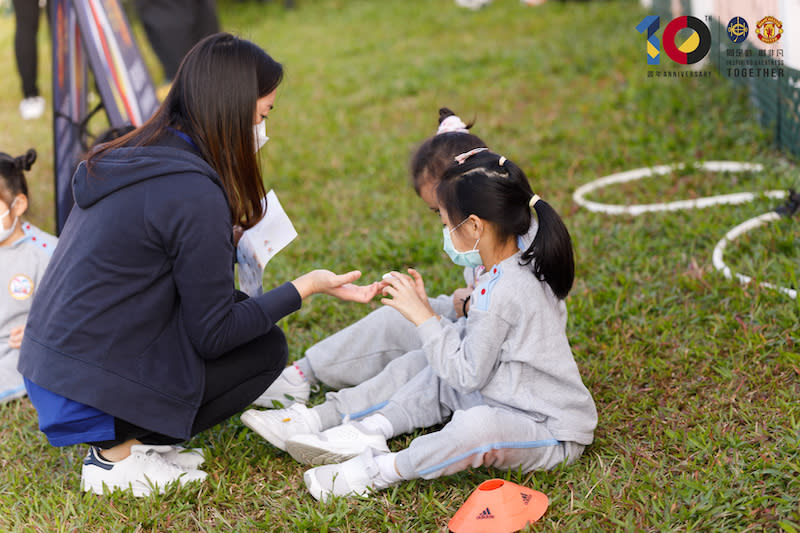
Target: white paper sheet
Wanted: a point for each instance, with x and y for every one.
(260, 243)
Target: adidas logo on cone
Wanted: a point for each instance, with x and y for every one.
(486, 513)
(498, 506)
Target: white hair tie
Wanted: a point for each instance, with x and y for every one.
(452, 123)
(460, 158)
(535, 198)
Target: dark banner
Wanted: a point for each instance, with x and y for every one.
(122, 78)
(69, 102)
(93, 34)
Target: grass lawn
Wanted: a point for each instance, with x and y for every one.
(696, 378)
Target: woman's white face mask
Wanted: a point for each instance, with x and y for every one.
(260, 134)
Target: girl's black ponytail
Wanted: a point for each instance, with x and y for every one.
(551, 250)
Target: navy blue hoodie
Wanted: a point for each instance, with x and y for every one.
(140, 290)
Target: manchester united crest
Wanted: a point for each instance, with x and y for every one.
(769, 29)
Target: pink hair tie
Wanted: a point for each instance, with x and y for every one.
(460, 158)
(452, 123)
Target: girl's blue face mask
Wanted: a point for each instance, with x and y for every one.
(470, 259)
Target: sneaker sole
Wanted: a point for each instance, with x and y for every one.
(138, 491)
(253, 422)
(311, 454)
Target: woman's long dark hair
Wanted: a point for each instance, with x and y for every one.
(213, 100)
(495, 189)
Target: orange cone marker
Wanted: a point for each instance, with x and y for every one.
(498, 506)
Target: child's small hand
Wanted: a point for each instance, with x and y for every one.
(460, 303)
(405, 296)
(15, 338)
(419, 285)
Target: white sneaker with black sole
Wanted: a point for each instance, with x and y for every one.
(335, 445)
(143, 472)
(280, 424)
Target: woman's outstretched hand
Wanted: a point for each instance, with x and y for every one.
(339, 285)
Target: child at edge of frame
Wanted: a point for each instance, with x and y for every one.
(25, 251)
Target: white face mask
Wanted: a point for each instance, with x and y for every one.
(5, 233)
(260, 134)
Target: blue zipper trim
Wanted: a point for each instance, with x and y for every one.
(367, 411)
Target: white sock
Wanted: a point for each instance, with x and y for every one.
(387, 470)
(294, 375)
(379, 424)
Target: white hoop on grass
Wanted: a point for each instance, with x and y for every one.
(579, 196)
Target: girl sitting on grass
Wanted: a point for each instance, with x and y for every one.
(502, 379)
(361, 350)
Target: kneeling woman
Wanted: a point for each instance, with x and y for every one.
(137, 340)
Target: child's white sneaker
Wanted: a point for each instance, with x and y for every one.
(356, 477)
(291, 386)
(143, 472)
(186, 459)
(32, 107)
(281, 424)
(335, 445)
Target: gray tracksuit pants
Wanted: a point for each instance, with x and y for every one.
(364, 348)
(410, 395)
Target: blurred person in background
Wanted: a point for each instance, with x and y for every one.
(26, 16)
(173, 27)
